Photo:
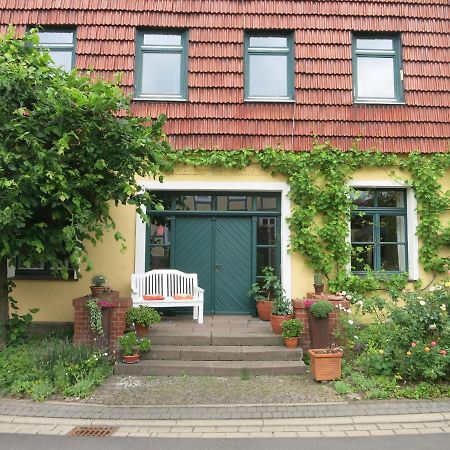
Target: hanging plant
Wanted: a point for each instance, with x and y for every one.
(95, 316)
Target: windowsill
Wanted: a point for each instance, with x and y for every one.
(380, 102)
(43, 278)
(158, 99)
(268, 100)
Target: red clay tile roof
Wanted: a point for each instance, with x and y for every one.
(217, 117)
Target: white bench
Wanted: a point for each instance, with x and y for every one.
(168, 284)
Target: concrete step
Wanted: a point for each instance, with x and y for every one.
(222, 353)
(214, 368)
(214, 338)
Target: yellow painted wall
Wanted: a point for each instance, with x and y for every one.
(53, 298)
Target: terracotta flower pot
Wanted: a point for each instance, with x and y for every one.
(97, 291)
(325, 366)
(318, 331)
(131, 359)
(264, 307)
(291, 342)
(276, 322)
(141, 330)
(318, 288)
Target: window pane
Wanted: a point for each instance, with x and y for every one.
(160, 231)
(161, 73)
(392, 229)
(265, 257)
(266, 203)
(55, 37)
(362, 257)
(393, 258)
(362, 228)
(266, 231)
(62, 59)
(160, 257)
(162, 39)
(269, 41)
(234, 203)
(374, 44)
(268, 76)
(375, 77)
(391, 199)
(195, 203)
(364, 199)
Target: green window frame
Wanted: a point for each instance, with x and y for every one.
(379, 231)
(377, 68)
(265, 54)
(161, 49)
(61, 44)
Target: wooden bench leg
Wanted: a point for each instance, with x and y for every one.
(200, 313)
(195, 313)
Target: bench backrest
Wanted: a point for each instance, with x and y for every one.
(166, 282)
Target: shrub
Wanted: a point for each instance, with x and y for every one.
(143, 315)
(292, 328)
(282, 307)
(321, 309)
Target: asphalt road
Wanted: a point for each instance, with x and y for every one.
(411, 442)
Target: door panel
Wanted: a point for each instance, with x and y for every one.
(233, 265)
(192, 252)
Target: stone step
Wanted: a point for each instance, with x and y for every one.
(214, 368)
(222, 353)
(214, 338)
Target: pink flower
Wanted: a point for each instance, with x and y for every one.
(104, 304)
(433, 344)
(413, 344)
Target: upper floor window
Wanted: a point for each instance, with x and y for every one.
(377, 69)
(379, 231)
(161, 65)
(61, 45)
(269, 67)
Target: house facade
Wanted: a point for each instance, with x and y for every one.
(239, 74)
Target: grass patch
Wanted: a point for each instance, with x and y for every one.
(245, 374)
(389, 387)
(51, 366)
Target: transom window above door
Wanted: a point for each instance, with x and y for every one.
(379, 231)
(161, 65)
(269, 66)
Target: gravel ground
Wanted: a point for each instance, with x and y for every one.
(191, 390)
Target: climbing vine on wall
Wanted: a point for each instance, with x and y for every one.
(322, 203)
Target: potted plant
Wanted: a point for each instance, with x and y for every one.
(326, 363)
(265, 291)
(318, 323)
(318, 283)
(292, 329)
(142, 317)
(131, 346)
(98, 285)
(282, 310)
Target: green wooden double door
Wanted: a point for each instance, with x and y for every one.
(220, 251)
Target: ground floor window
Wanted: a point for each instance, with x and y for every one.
(379, 231)
(40, 271)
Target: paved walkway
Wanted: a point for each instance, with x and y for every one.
(296, 420)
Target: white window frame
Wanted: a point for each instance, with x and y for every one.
(198, 186)
(411, 216)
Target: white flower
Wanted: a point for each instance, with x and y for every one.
(350, 322)
(422, 302)
(432, 326)
(349, 311)
(349, 297)
(356, 337)
(419, 298)
(443, 307)
(360, 302)
(344, 293)
(438, 287)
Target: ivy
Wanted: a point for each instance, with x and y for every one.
(322, 203)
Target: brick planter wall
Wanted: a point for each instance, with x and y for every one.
(117, 326)
(301, 313)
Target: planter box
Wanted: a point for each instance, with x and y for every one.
(325, 366)
(318, 331)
